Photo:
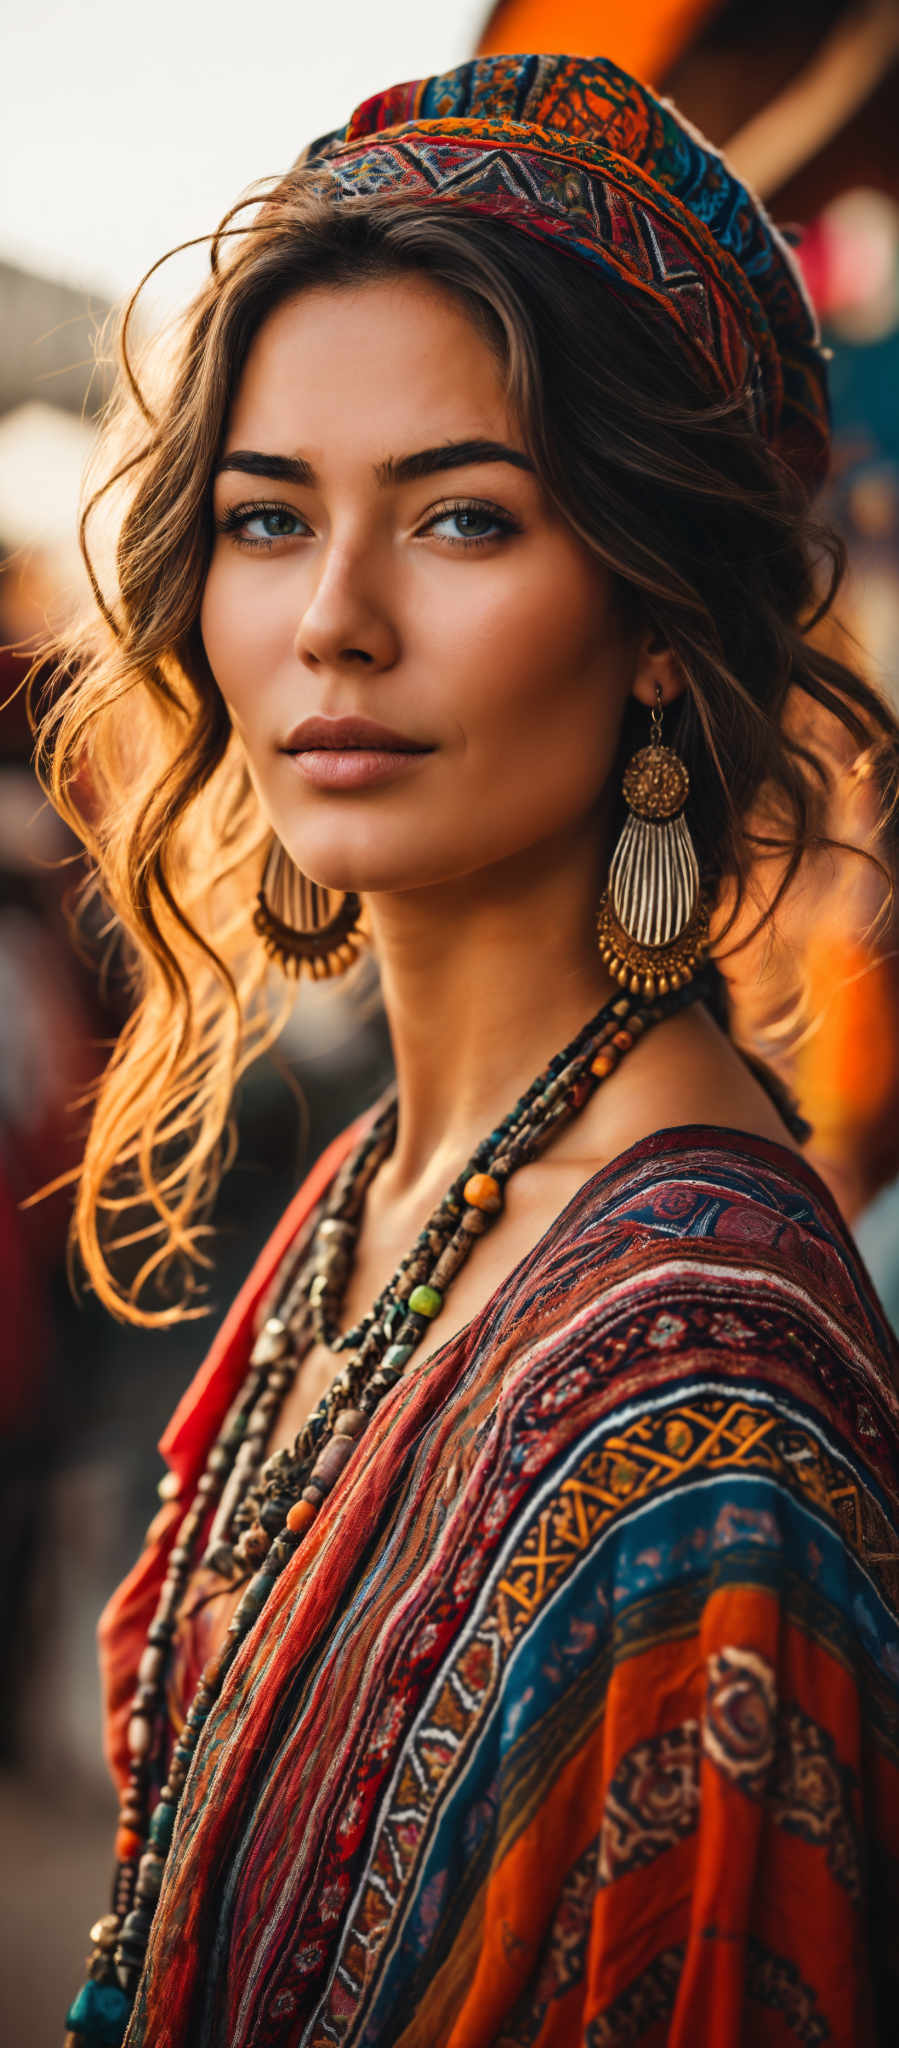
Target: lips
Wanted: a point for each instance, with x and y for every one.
(349, 735)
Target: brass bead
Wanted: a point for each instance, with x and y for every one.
(105, 1932)
(272, 1342)
(335, 1231)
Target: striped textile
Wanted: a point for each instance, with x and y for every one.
(574, 1720)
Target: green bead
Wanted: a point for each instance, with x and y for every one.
(425, 1301)
(398, 1354)
(100, 2014)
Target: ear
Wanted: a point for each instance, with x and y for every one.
(656, 666)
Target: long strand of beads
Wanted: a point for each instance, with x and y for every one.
(416, 1294)
(335, 1264)
(103, 2003)
(257, 1518)
(293, 1484)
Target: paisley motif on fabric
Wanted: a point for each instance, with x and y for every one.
(780, 1754)
(646, 2000)
(563, 1956)
(816, 1796)
(775, 1982)
(651, 1803)
(738, 1730)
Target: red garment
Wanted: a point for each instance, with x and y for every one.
(573, 1719)
(123, 1625)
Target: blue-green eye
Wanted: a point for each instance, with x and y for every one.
(472, 520)
(257, 526)
(276, 524)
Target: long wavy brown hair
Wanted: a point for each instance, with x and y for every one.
(710, 539)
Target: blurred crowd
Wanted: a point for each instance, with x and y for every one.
(805, 99)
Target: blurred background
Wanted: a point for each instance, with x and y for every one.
(123, 135)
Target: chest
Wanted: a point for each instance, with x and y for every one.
(534, 1201)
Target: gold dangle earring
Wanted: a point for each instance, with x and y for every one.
(653, 925)
(296, 922)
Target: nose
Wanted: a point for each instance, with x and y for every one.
(347, 622)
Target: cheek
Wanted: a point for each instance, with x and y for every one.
(553, 686)
(220, 632)
(240, 634)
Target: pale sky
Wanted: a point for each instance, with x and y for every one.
(127, 128)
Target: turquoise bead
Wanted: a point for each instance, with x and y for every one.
(398, 1354)
(161, 1825)
(100, 2013)
(425, 1301)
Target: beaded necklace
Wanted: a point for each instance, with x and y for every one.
(261, 1510)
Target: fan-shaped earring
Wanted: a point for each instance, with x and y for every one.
(297, 923)
(653, 925)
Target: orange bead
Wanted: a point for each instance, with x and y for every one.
(127, 1845)
(483, 1192)
(623, 1040)
(604, 1063)
(301, 1517)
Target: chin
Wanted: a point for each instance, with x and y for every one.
(380, 871)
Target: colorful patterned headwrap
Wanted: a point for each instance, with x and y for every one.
(572, 150)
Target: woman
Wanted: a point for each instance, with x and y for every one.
(531, 1679)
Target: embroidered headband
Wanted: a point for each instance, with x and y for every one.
(572, 150)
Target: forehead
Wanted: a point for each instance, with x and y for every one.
(339, 364)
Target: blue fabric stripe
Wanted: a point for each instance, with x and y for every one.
(668, 1542)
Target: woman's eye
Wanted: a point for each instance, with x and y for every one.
(257, 526)
(475, 524)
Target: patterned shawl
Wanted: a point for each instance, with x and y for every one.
(572, 150)
(575, 1720)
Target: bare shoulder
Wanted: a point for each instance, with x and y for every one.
(685, 1071)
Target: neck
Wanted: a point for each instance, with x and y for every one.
(483, 982)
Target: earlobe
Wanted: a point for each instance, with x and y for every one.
(657, 667)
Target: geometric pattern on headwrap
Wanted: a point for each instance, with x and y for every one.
(572, 150)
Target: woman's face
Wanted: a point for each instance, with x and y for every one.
(385, 552)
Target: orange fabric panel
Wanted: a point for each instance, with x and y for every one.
(644, 38)
(743, 1876)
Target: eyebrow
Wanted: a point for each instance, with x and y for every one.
(405, 469)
